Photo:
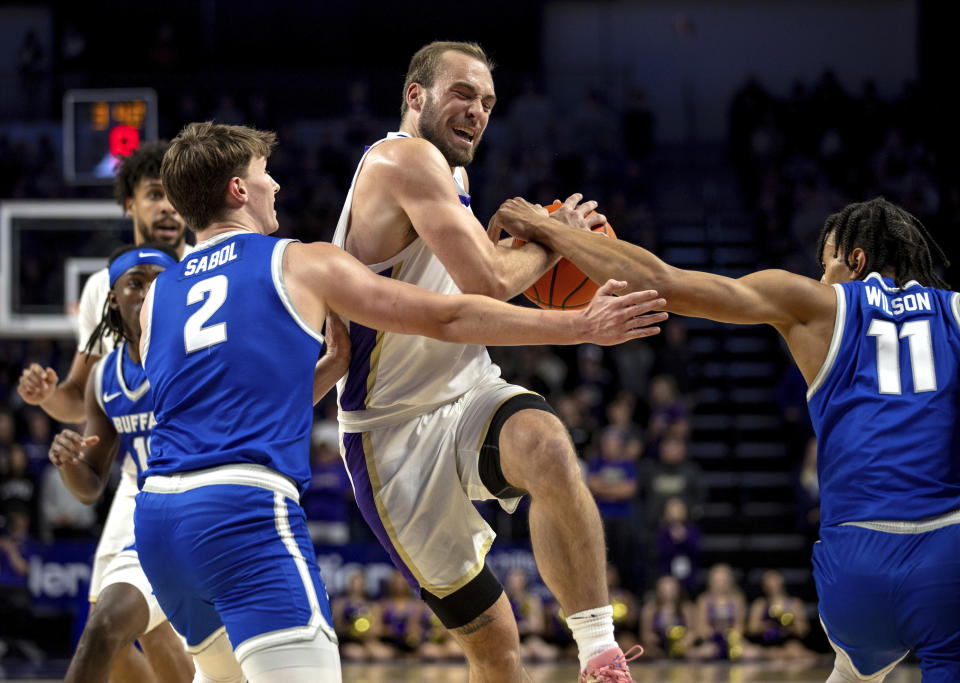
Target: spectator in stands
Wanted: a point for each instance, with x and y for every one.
(437, 642)
(61, 514)
(396, 620)
(778, 622)
(527, 608)
(557, 632)
(626, 616)
(18, 486)
(620, 414)
(353, 622)
(575, 418)
(329, 494)
(667, 621)
(612, 479)
(679, 544)
(530, 118)
(676, 360)
(18, 622)
(669, 416)
(8, 433)
(671, 475)
(592, 380)
(721, 615)
(38, 439)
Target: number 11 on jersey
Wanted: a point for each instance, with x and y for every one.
(917, 333)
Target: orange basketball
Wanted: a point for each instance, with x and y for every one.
(564, 287)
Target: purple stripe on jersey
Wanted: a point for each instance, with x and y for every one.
(465, 200)
(363, 340)
(363, 491)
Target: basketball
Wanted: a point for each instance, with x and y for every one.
(564, 287)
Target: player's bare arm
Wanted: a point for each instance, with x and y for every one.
(63, 402)
(406, 182)
(801, 309)
(321, 276)
(84, 461)
(335, 360)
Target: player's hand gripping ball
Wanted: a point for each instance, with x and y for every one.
(564, 287)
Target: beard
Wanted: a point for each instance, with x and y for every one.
(148, 233)
(432, 129)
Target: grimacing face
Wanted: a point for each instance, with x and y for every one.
(457, 107)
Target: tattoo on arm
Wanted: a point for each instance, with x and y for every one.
(475, 625)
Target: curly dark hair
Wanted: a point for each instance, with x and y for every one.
(111, 324)
(143, 163)
(893, 239)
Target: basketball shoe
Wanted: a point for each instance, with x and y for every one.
(610, 666)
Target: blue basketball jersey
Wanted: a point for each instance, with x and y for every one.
(124, 395)
(230, 361)
(886, 404)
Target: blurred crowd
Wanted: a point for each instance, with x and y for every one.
(376, 623)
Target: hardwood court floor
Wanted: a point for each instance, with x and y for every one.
(648, 672)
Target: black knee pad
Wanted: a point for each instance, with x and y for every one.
(466, 603)
(491, 474)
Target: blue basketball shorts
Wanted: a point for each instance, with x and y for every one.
(228, 547)
(884, 593)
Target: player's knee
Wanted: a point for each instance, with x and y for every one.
(497, 659)
(217, 667)
(843, 672)
(549, 462)
(109, 627)
(217, 662)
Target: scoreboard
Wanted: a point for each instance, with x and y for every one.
(99, 126)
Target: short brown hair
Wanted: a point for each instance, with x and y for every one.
(201, 161)
(425, 64)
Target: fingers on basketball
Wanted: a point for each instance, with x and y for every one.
(565, 287)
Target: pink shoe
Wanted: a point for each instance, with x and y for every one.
(610, 666)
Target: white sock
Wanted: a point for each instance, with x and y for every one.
(593, 631)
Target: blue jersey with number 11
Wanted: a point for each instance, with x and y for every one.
(886, 404)
(230, 361)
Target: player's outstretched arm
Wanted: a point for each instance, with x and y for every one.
(774, 297)
(64, 401)
(335, 361)
(84, 461)
(417, 179)
(800, 308)
(336, 280)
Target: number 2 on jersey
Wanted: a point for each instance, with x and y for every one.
(917, 333)
(195, 335)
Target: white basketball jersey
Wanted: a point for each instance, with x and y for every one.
(393, 377)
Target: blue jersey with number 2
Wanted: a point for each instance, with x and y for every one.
(886, 404)
(230, 361)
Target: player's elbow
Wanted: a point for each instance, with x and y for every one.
(485, 283)
(451, 323)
